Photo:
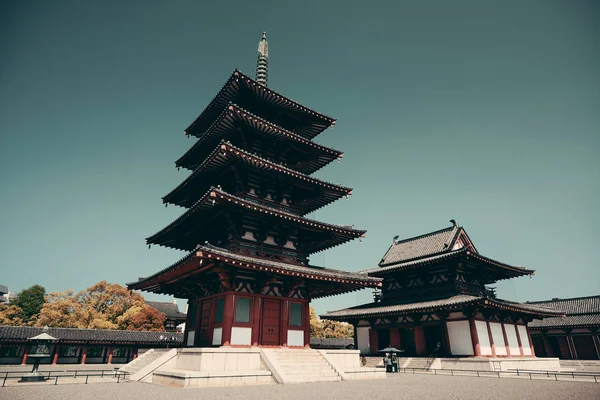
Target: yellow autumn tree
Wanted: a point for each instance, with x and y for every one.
(10, 315)
(329, 329)
(101, 306)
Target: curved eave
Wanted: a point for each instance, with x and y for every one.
(356, 314)
(339, 234)
(222, 156)
(234, 117)
(520, 308)
(237, 82)
(204, 256)
(505, 271)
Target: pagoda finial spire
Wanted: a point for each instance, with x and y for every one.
(262, 65)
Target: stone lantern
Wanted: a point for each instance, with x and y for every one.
(42, 343)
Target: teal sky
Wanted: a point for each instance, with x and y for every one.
(487, 112)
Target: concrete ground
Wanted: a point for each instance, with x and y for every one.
(396, 386)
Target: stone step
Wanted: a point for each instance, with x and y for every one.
(314, 379)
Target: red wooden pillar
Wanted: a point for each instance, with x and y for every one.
(135, 352)
(110, 354)
(227, 319)
(519, 340)
(306, 324)
(25, 354)
(83, 354)
(474, 338)
(505, 340)
(491, 338)
(256, 320)
(285, 322)
(395, 337)
(373, 340)
(420, 345)
(55, 356)
(547, 347)
(530, 342)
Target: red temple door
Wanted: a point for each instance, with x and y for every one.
(203, 337)
(270, 322)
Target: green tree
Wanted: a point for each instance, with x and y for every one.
(30, 301)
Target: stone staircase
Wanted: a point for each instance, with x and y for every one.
(143, 360)
(300, 365)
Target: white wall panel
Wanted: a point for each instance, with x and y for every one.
(190, 338)
(362, 334)
(241, 335)
(498, 337)
(295, 338)
(511, 336)
(217, 335)
(484, 339)
(524, 340)
(459, 333)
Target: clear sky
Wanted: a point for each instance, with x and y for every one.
(487, 112)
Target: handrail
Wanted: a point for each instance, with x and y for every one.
(513, 372)
(119, 375)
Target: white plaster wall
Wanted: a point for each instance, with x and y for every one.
(484, 338)
(217, 335)
(524, 340)
(295, 338)
(190, 338)
(498, 337)
(511, 336)
(362, 335)
(459, 334)
(241, 335)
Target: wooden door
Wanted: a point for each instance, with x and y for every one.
(202, 337)
(271, 313)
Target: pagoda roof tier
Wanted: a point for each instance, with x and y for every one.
(390, 308)
(226, 155)
(494, 270)
(191, 228)
(259, 99)
(234, 119)
(322, 282)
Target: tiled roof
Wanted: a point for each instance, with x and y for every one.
(421, 246)
(505, 270)
(88, 335)
(169, 309)
(383, 308)
(573, 321)
(572, 306)
(580, 312)
(331, 343)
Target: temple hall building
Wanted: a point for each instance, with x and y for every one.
(436, 294)
(244, 227)
(572, 337)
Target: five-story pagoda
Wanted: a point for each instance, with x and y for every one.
(246, 276)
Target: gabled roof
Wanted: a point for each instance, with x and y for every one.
(197, 216)
(290, 114)
(581, 312)
(226, 154)
(168, 308)
(235, 119)
(392, 308)
(426, 245)
(88, 335)
(337, 281)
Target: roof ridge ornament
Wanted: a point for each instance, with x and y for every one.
(262, 63)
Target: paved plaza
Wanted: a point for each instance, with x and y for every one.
(397, 387)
